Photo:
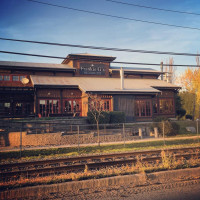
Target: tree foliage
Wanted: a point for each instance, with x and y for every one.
(190, 81)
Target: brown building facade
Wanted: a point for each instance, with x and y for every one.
(45, 90)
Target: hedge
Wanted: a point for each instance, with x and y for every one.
(107, 117)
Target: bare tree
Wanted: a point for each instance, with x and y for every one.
(96, 108)
(170, 71)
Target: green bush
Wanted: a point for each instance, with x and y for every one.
(189, 117)
(103, 119)
(117, 117)
(180, 113)
(160, 119)
(170, 128)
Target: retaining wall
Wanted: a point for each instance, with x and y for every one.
(38, 192)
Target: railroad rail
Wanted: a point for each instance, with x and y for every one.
(74, 164)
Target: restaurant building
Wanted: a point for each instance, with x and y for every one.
(46, 90)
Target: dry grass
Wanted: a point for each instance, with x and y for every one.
(168, 162)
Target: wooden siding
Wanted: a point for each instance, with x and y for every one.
(71, 93)
(48, 93)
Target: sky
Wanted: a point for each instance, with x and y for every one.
(22, 19)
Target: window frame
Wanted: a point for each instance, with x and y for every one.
(143, 108)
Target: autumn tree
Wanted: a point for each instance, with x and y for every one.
(190, 81)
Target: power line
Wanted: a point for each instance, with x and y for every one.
(114, 16)
(153, 8)
(101, 48)
(97, 60)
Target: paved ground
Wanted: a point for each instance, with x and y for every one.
(186, 190)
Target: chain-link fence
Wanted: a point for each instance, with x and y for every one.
(39, 134)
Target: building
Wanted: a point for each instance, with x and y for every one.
(41, 89)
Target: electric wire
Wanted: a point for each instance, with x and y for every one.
(101, 48)
(97, 60)
(114, 16)
(153, 8)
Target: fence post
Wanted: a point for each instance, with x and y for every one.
(21, 141)
(156, 132)
(140, 132)
(164, 132)
(124, 133)
(78, 138)
(198, 130)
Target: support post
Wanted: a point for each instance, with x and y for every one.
(140, 133)
(124, 134)
(198, 130)
(164, 132)
(78, 138)
(21, 141)
(156, 132)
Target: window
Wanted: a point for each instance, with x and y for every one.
(155, 106)
(143, 108)
(11, 77)
(6, 78)
(15, 78)
(71, 106)
(5, 108)
(21, 77)
(102, 104)
(166, 106)
(48, 107)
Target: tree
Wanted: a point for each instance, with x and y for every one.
(190, 81)
(96, 109)
(180, 111)
(170, 71)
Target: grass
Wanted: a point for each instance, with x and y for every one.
(168, 162)
(72, 151)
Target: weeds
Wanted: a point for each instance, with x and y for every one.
(167, 162)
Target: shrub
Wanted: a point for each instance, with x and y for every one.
(117, 117)
(160, 119)
(189, 117)
(180, 113)
(103, 119)
(170, 128)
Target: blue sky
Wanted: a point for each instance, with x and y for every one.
(26, 20)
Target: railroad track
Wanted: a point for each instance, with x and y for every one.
(75, 164)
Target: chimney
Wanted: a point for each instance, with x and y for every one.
(122, 78)
(161, 69)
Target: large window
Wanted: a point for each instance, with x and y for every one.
(49, 107)
(100, 104)
(166, 106)
(143, 108)
(5, 108)
(71, 106)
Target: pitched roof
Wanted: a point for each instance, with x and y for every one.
(88, 57)
(104, 85)
(136, 70)
(30, 65)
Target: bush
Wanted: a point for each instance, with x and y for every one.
(103, 119)
(170, 128)
(117, 117)
(180, 113)
(189, 117)
(160, 119)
